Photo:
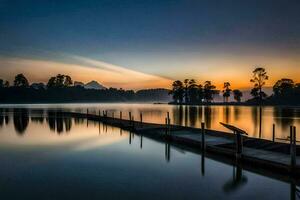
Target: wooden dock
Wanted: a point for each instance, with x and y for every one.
(258, 154)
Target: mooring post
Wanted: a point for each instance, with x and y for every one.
(87, 111)
(239, 144)
(166, 123)
(120, 114)
(130, 117)
(113, 114)
(106, 113)
(203, 135)
(141, 118)
(292, 147)
(103, 113)
(99, 113)
(273, 135)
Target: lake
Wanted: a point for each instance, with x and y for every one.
(258, 122)
(44, 156)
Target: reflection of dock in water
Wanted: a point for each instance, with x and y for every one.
(259, 154)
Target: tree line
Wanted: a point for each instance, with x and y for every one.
(285, 91)
(60, 88)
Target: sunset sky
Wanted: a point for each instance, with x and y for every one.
(137, 44)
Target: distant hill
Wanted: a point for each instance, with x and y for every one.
(90, 85)
(94, 85)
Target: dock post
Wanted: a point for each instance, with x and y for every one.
(239, 145)
(87, 111)
(99, 113)
(106, 113)
(141, 118)
(292, 146)
(103, 113)
(203, 136)
(273, 135)
(120, 114)
(113, 114)
(166, 123)
(130, 117)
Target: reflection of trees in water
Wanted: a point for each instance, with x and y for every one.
(37, 116)
(284, 117)
(1, 117)
(4, 118)
(237, 113)
(185, 115)
(226, 114)
(21, 119)
(257, 120)
(208, 116)
(59, 123)
(193, 115)
(178, 114)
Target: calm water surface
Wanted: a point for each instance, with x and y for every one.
(44, 156)
(258, 122)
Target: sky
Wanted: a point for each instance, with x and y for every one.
(137, 44)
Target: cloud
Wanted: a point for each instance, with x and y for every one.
(84, 70)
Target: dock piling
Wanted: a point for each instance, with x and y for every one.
(293, 146)
(203, 136)
(120, 114)
(239, 144)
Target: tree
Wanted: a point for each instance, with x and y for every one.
(226, 91)
(60, 81)
(192, 91)
(186, 94)
(259, 79)
(283, 87)
(177, 91)
(209, 91)
(237, 94)
(21, 81)
(6, 84)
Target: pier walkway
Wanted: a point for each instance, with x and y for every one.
(258, 153)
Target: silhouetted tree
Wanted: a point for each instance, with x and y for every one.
(283, 87)
(186, 86)
(237, 94)
(192, 91)
(226, 91)
(259, 79)
(21, 81)
(177, 91)
(209, 91)
(60, 81)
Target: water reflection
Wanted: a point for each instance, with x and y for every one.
(79, 151)
(59, 123)
(238, 180)
(257, 121)
(21, 119)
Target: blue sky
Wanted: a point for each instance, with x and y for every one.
(171, 39)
